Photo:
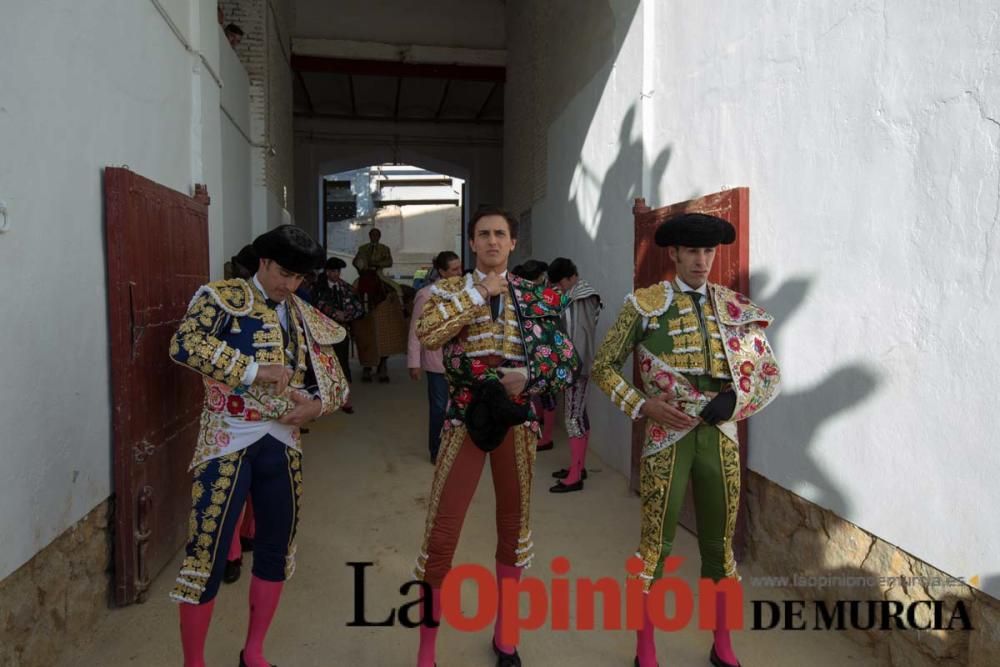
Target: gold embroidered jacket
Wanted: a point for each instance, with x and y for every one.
(228, 326)
(660, 323)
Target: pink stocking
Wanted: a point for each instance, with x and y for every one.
(428, 636)
(578, 454)
(194, 628)
(264, 597)
(504, 572)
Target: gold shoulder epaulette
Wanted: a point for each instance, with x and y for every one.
(233, 296)
(449, 288)
(652, 301)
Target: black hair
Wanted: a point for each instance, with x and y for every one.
(235, 29)
(443, 259)
(488, 210)
(561, 268)
(531, 270)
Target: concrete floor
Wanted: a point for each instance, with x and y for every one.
(367, 477)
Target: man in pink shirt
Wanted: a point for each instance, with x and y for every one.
(447, 265)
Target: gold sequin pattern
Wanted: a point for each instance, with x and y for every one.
(729, 457)
(655, 476)
(617, 345)
(451, 443)
(204, 528)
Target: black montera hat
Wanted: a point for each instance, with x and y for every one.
(695, 230)
(335, 263)
(291, 247)
(247, 258)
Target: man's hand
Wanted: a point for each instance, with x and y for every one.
(659, 409)
(514, 383)
(275, 374)
(415, 374)
(306, 409)
(494, 284)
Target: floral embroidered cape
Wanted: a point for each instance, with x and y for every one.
(661, 325)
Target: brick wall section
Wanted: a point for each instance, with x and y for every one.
(56, 598)
(265, 52)
(791, 536)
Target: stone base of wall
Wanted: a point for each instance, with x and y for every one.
(790, 536)
(58, 596)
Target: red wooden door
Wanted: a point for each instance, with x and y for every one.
(731, 268)
(157, 242)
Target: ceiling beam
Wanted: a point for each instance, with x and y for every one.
(354, 101)
(482, 109)
(305, 89)
(444, 96)
(390, 119)
(393, 68)
(395, 106)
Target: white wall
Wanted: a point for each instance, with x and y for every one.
(868, 135)
(585, 163)
(237, 177)
(83, 86)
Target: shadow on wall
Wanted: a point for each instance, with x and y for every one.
(837, 560)
(802, 413)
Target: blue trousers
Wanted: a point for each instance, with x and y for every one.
(272, 474)
(437, 396)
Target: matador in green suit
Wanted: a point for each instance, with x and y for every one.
(705, 364)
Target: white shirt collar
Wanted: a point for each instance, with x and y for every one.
(261, 288)
(480, 275)
(684, 287)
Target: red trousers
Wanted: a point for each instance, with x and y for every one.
(459, 467)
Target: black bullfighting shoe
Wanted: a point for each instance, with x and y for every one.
(564, 473)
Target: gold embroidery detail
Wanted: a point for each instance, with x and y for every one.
(651, 299)
(525, 443)
(655, 476)
(451, 443)
(729, 457)
(203, 536)
(617, 345)
(719, 366)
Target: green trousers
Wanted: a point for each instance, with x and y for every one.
(712, 462)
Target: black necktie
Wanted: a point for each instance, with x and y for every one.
(495, 306)
(273, 305)
(696, 297)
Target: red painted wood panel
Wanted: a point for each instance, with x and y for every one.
(157, 245)
(731, 268)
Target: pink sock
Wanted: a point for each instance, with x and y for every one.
(504, 572)
(195, 619)
(577, 455)
(235, 548)
(645, 644)
(548, 425)
(247, 525)
(723, 643)
(428, 636)
(264, 597)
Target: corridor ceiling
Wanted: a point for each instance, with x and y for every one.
(380, 90)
